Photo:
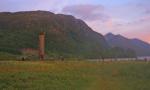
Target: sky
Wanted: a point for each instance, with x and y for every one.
(130, 18)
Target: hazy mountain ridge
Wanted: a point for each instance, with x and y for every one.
(140, 47)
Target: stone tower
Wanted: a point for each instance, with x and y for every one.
(42, 45)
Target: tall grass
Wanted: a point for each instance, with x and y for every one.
(74, 75)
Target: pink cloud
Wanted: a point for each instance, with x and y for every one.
(87, 12)
(141, 35)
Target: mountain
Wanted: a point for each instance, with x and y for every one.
(140, 47)
(65, 35)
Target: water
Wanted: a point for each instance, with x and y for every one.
(144, 57)
(123, 59)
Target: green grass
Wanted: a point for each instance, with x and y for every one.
(74, 75)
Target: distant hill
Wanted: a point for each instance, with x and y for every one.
(65, 35)
(140, 47)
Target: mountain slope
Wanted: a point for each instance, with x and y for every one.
(65, 35)
(141, 48)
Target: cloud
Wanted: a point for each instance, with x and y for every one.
(87, 12)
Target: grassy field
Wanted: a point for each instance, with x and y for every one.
(74, 75)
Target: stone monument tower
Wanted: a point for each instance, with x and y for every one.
(42, 45)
